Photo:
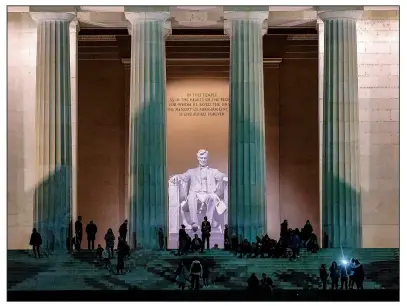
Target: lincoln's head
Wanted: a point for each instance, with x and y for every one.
(202, 158)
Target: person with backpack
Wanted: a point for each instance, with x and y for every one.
(196, 273)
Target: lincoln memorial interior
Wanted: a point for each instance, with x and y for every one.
(199, 55)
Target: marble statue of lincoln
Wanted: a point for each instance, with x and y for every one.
(205, 185)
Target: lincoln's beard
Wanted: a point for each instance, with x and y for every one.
(203, 163)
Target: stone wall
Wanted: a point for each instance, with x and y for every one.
(21, 159)
(378, 68)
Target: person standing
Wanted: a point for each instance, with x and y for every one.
(91, 230)
(284, 229)
(196, 273)
(334, 273)
(123, 250)
(307, 230)
(205, 275)
(181, 275)
(182, 240)
(123, 230)
(352, 267)
(359, 274)
(344, 276)
(36, 242)
(295, 244)
(206, 231)
(161, 238)
(78, 231)
(323, 274)
(226, 240)
(109, 238)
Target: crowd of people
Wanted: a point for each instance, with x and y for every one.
(288, 246)
(348, 273)
(104, 255)
(192, 275)
(107, 254)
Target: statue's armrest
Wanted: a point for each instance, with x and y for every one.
(174, 183)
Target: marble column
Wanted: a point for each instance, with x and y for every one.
(148, 182)
(247, 159)
(53, 193)
(341, 210)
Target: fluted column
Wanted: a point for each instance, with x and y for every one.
(53, 199)
(341, 211)
(148, 184)
(247, 161)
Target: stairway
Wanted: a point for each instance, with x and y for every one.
(156, 270)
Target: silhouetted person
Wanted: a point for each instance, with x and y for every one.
(197, 244)
(280, 248)
(226, 240)
(312, 245)
(123, 230)
(246, 249)
(122, 251)
(253, 283)
(284, 229)
(99, 252)
(234, 243)
(188, 243)
(196, 273)
(106, 258)
(344, 276)
(295, 243)
(359, 274)
(182, 274)
(205, 275)
(109, 238)
(326, 241)
(206, 231)
(182, 240)
(307, 230)
(323, 275)
(78, 232)
(161, 238)
(266, 245)
(352, 267)
(334, 273)
(91, 230)
(266, 283)
(36, 241)
(258, 248)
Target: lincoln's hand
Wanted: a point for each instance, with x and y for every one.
(174, 179)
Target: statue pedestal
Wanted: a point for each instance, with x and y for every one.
(216, 238)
